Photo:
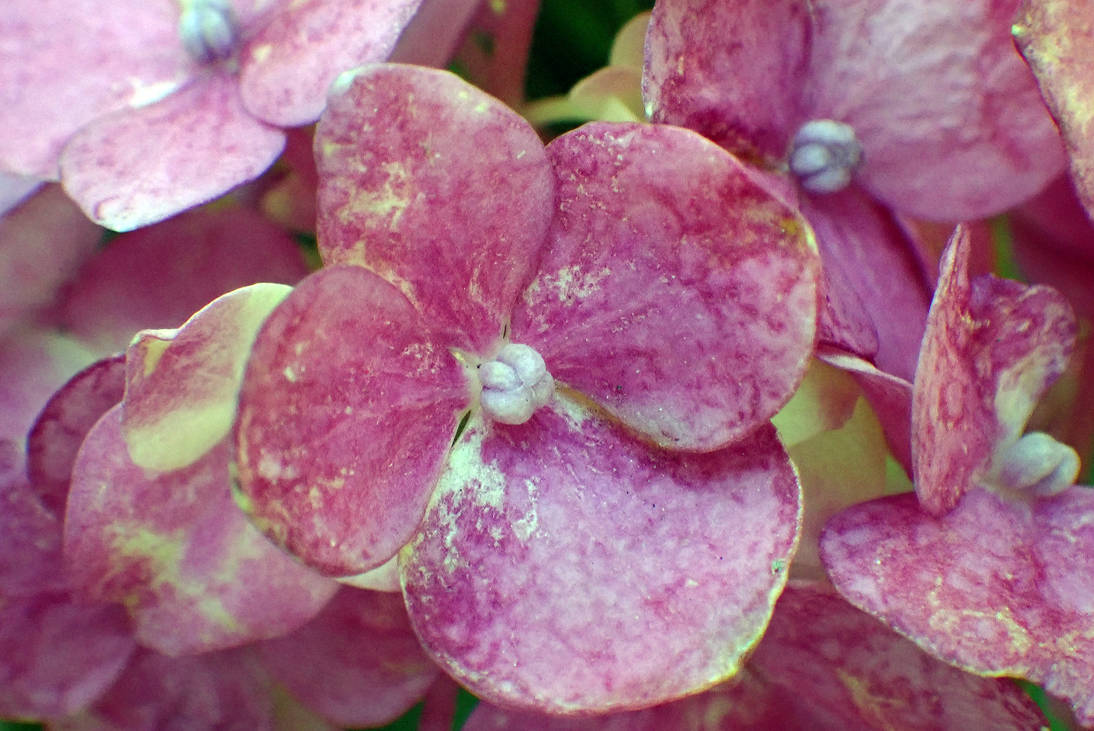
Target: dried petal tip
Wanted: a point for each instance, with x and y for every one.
(824, 155)
(208, 29)
(514, 384)
(1039, 464)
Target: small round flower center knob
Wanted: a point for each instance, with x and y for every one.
(1039, 464)
(208, 29)
(514, 384)
(824, 155)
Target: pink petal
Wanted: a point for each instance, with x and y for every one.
(435, 186)
(181, 386)
(30, 537)
(731, 71)
(1054, 37)
(140, 166)
(871, 262)
(675, 291)
(565, 566)
(43, 242)
(158, 276)
(358, 663)
(991, 349)
(494, 54)
(194, 574)
(435, 31)
(14, 189)
(997, 587)
(63, 424)
(64, 63)
(347, 409)
(289, 65)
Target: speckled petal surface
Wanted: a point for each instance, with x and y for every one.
(288, 66)
(64, 63)
(564, 566)
(136, 167)
(996, 587)
(1055, 37)
(64, 422)
(991, 349)
(181, 386)
(347, 409)
(172, 546)
(158, 276)
(731, 71)
(674, 290)
(358, 663)
(438, 188)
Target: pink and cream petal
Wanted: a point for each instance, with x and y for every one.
(348, 407)
(566, 567)
(438, 188)
(991, 349)
(358, 663)
(173, 547)
(140, 166)
(182, 385)
(674, 290)
(288, 66)
(996, 587)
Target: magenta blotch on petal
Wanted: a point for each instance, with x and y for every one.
(674, 289)
(565, 566)
(438, 188)
(347, 409)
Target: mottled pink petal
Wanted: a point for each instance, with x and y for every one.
(870, 259)
(56, 655)
(172, 546)
(64, 423)
(347, 409)
(181, 386)
(565, 566)
(991, 349)
(30, 536)
(42, 244)
(1054, 36)
(996, 587)
(64, 63)
(289, 65)
(495, 51)
(438, 188)
(159, 276)
(358, 663)
(140, 166)
(675, 291)
(732, 71)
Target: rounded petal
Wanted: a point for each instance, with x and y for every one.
(347, 409)
(566, 567)
(675, 291)
(136, 167)
(194, 574)
(438, 188)
(288, 66)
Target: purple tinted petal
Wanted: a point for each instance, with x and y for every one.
(289, 65)
(347, 409)
(438, 188)
(140, 166)
(172, 546)
(30, 537)
(565, 566)
(996, 587)
(358, 663)
(675, 290)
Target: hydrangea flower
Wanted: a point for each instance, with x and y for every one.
(144, 109)
(988, 566)
(624, 544)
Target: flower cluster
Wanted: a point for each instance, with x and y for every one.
(706, 410)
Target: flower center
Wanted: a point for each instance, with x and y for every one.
(208, 30)
(514, 384)
(824, 155)
(1039, 464)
